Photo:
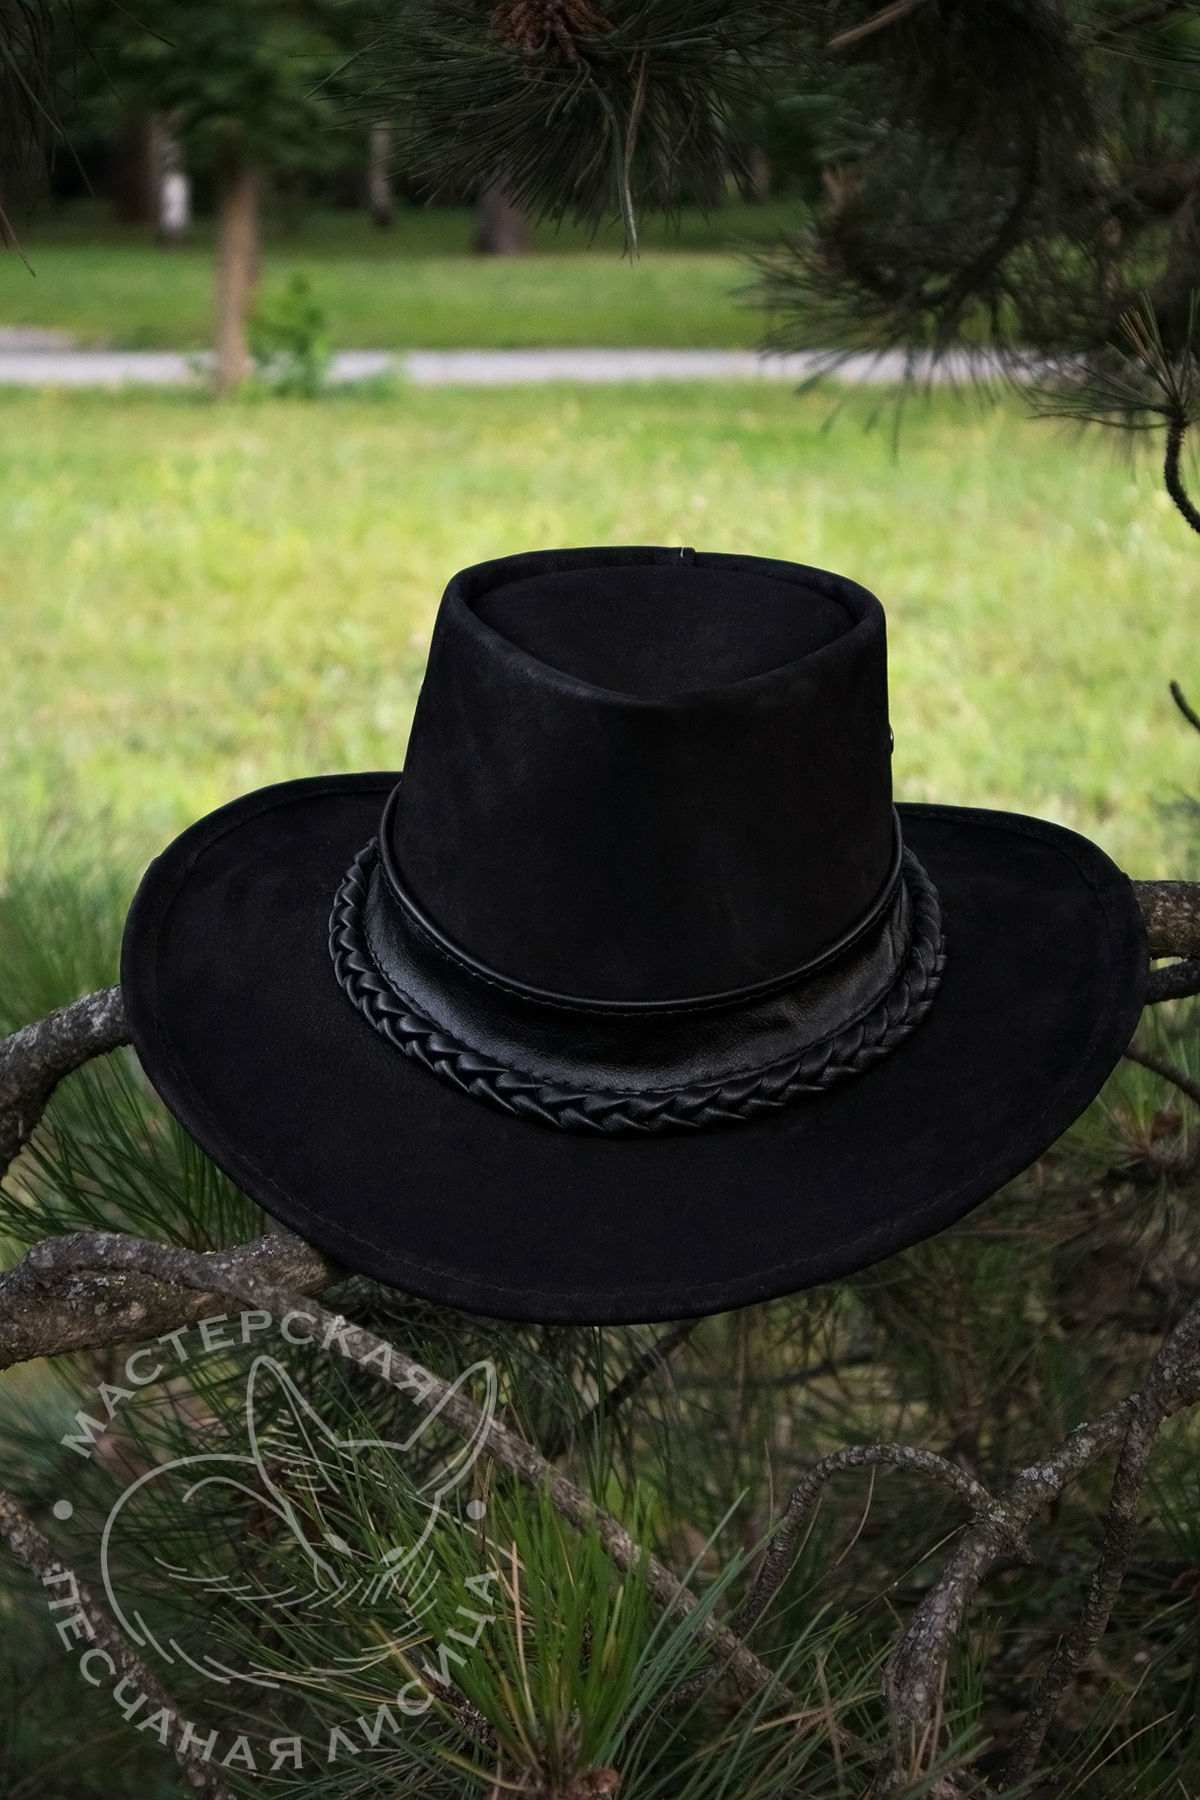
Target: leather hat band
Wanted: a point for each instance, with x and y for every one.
(627, 1070)
(423, 929)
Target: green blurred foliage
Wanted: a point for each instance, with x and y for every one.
(251, 79)
(290, 339)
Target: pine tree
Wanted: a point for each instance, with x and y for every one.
(28, 67)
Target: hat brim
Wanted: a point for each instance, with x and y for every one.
(241, 1027)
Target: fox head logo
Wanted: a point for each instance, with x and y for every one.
(314, 1496)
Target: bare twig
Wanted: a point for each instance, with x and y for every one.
(1159, 1066)
(85, 1622)
(1172, 476)
(777, 1558)
(1181, 701)
(1172, 1369)
(637, 107)
(1171, 910)
(1177, 981)
(887, 15)
(34, 1060)
(916, 1671)
(652, 1360)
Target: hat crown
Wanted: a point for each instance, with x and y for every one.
(648, 774)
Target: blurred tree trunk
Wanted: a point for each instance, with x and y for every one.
(136, 199)
(238, 190)
(756, 186)
(501, 229)
(380, 203)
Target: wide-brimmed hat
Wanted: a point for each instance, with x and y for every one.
(634, 996)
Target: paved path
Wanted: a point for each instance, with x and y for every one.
(23, 366)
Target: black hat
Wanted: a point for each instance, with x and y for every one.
(634, 997)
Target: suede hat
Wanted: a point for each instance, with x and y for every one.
(634, 996)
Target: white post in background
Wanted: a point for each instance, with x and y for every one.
(174, 191)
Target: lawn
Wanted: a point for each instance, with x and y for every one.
(416, 286)
(197, 598)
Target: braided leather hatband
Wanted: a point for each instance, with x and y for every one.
(580, 1107)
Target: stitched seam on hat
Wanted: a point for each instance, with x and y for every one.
(312, 785)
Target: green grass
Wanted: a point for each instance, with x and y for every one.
(415, 287)
(196, 599)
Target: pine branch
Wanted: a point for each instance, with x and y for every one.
(887, 15)
(86, 1620)
(1172, 476)
(1170, 1383)
(590, 112)
(1151, 12)
(917, 1669)
(1178, 981)
(1181, 700)
(84, 1253)
(44, 1314)
(1159, 1066)
(34, 1060)
(1171, 910)
(652, 1360)
(778, 1557)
